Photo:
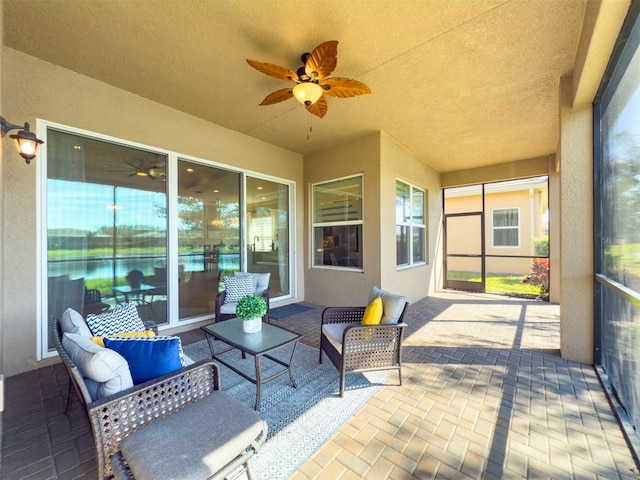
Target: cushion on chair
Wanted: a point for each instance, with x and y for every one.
(237, 287)
(334, 332)
(373, 313)
(392, 305)
(260, 281)
(148, 357)
(72, 322)
(108, 369)
(147, 333)
(193, 443)
(122, 319)
(228, 308)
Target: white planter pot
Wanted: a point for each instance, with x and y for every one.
(252, 326)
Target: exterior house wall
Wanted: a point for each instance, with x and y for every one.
(382, 161)
(415, 282)
(335, 286)
(62, 96)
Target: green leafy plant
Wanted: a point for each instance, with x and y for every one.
(251, 306)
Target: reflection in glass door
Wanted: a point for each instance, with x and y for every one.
(268, 233)
(208, 234)
(464, 252)
(107, 228)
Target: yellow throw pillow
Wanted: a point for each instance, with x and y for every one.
(373, 313)
(146, 333)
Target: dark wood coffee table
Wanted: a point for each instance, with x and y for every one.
(261, 344)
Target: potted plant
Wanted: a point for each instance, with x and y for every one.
(251, 309)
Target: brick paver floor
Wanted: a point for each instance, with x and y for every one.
(485, 395)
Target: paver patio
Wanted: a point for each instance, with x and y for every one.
(485, 395)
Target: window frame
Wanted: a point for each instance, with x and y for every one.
(43, 350)
(313, 224)
(412, 226)
(511, 227)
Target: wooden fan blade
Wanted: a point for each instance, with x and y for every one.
(277, 96)
(274, 70)
(322, 60)
(319, 108)
(344, 87)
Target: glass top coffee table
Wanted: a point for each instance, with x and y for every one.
(260, 344)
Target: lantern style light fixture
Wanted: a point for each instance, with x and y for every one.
(307, 93)
(25, 141)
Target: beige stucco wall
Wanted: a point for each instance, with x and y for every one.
(382, 161)
(576, 239)
(530, 167)
(59, 95)
(331, 286)
(396, 162)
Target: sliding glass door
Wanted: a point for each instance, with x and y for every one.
(268, 233)
(106, 217)
(208, 234)
(127, 223)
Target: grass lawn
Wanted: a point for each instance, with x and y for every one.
(499, 283)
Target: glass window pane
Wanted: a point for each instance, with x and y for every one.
(403, 205)
(418, 244)
(268, 232)
(506, 217)
(208, 234)
(338, 201)
(106, 226)
(402, 245)
(505, 237)
(338, 246)
(417, 212)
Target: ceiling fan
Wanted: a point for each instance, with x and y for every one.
(311, 80)
(142, 169)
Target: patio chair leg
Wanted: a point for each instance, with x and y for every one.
(342, 384)
(69, 400)
(320, 355)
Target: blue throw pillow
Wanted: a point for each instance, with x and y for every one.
(148, 357)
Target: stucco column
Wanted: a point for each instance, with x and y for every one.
(576, 231)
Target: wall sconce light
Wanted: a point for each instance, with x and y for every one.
(26, 142)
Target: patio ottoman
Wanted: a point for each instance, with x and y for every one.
(194, 443)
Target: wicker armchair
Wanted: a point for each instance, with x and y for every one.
(262, 290)
(363, 347)
(177, 408)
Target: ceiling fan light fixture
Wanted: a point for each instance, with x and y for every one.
(307, 93)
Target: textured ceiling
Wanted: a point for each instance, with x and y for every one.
(460, 83)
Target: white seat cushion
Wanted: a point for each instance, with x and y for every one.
(228, 308)
(334, 331)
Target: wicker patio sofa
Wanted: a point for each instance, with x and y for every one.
(170, 426)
